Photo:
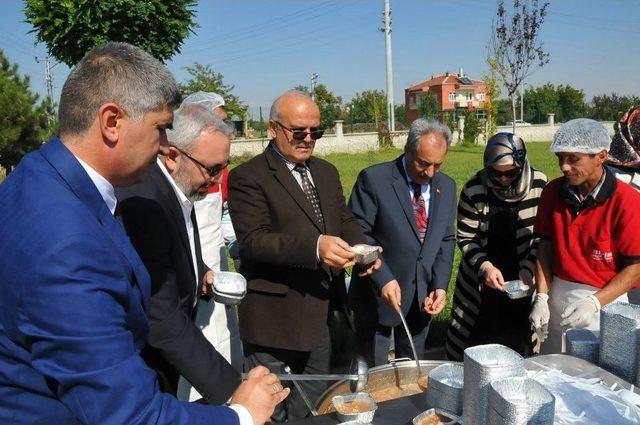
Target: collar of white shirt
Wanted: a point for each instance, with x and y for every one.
(185, 204)
(104, 187)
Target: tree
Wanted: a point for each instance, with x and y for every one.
(401, 117)
(429, 106)
(472, 128)
(492, 91)
(203, 78)
(539, 102)
(23, 123)
(606, 107)
(571, 103)
(71, 28)
(514, 47)
(330, 105)
(370, 106)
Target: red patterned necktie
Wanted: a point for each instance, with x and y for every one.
(419, 211)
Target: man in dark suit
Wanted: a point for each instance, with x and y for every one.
(294, 231)
(75, 295)
(160, 220)
(408, 208)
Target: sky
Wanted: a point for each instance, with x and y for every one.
(264, 47)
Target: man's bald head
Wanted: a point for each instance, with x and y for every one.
(291, 113)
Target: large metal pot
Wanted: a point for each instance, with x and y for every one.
(392, 377)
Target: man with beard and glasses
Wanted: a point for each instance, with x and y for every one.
(160, 220)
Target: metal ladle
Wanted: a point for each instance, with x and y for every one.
(358, 376)
(413, 347)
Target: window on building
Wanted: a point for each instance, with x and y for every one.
(412, 101)
(480, 96)
(452, 97)
(468, 95)
(481, 114)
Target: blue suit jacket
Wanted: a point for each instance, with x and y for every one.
(73, 306)
(380, 200)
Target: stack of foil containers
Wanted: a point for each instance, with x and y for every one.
(482, 365)
(445, 388)
(583, 343)
(520, 401)
(620, 334)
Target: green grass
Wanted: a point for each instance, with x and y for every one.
(461, 163)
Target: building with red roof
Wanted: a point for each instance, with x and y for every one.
(456, 94)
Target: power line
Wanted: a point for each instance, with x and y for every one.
(248, 31)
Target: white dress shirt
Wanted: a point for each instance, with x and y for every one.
(186, 206)
(104, 187)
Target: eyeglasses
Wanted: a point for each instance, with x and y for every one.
(510, 174)
(212, 171)
(301, 135)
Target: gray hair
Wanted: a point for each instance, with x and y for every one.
(115, 72)
(190, 121)
(274, 113)
(422, 127)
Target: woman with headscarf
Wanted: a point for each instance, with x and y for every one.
(496, 212)
(624, 160)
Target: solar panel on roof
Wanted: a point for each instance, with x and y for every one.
(465, 80)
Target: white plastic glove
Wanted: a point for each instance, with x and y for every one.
(580, 313)
(539, 316)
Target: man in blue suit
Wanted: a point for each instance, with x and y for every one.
(407, 207)
(75, 294)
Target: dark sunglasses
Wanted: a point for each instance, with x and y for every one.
(212, 171)
(510, 174)
(301, 135)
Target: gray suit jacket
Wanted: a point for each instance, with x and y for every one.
(381, 201)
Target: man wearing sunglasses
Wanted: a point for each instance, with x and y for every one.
(160, 221)
(295, 233)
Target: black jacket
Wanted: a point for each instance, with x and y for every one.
(155, 224)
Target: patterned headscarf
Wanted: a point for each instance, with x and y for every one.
(625, 146)
(507, 149)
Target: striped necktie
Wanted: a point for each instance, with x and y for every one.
(419, 211)
(310, 192)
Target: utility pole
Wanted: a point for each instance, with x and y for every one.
(48, 78)
(48, 81)
(314, 81)
(261, 124)
(386, 13)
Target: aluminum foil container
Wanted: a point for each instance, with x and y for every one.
(229, 287)
(482, 365)
(365, 254)
(444, 390)
(620, 336)
(583, 343)
(520, 401)
(516, 289)
(429, 417)
(340, 401)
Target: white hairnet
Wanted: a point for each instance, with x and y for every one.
(207, 99)
(581, 135)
